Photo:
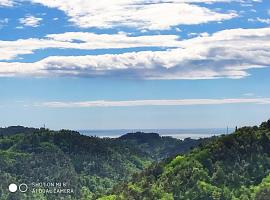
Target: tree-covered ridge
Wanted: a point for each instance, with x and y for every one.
(160, 147)
(90, 165)
(13, 130)
(231, 167)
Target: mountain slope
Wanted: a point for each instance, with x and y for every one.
(159, 147)
(90, 165)
(235, 166)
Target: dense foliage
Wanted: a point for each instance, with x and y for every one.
(232, 167)
(91, 166)
(13, 130)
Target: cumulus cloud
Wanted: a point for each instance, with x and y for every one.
(84, 41)
(178, 102)
(150, 14)
(30, 20)
(225, 54)
(6, 3)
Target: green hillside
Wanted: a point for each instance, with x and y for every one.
(91, 166)
(231, 167)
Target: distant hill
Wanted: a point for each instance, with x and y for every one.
(141, 136)
(12, 130)
(230, 167)
(90, 165)
(160, 147)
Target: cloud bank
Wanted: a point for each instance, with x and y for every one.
(4, 3)
(224, 54)
(141, 14)
(179, 102)
(228, 53)
(83, 41)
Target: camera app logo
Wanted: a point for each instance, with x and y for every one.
(14, 187)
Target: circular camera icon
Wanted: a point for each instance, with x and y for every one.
(12, 187)
(23, 188)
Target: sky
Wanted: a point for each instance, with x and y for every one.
(134, 64)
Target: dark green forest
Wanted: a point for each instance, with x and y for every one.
(91, 166)
(137, 166)
(231, 167)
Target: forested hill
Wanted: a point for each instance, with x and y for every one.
(90, 165)
(12, 130)
(160, 147)
(231, 167)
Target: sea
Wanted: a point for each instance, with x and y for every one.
(176, 133)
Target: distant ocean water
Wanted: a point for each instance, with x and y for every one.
(176, 133)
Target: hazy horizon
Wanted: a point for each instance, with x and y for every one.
(176, 133)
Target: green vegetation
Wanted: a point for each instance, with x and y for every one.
(91, 166)
(231, 167)
(138, 166)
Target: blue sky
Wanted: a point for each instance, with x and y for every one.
(134, 63)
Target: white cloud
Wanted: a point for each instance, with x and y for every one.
(87, 41)
(225, 54)
(178, 102)
(3, 22)
(151, 14)
(6, 3)
(30, 20)
(120, 40)
(204, 34)
(262, 20)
